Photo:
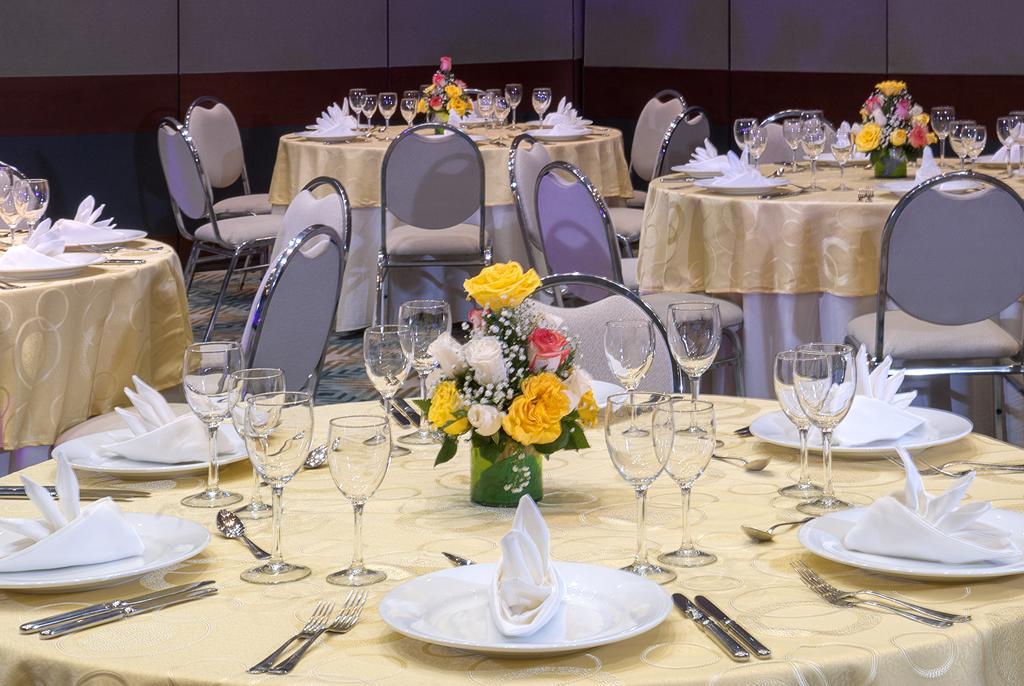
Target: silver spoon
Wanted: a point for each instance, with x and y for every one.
(230, 526)
(316, 457)
(767, 535)
(754, 465)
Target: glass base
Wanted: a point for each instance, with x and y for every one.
(255, 511)
(803, 491)
(399, 451)
(356, 576)
(842, 187)
(658, 575)
(687, 557)
(275, 573)
(212, 498)
(815, 187)
(636, 432)
(421, 438)
(823, 505)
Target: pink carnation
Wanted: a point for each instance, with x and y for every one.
(446, 63)
(476, 319)
(918, 136)
(903, 109)
(872, 103)
(435, 102)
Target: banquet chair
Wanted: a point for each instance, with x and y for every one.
(433, 186)
(684, 135)
(776, 151)
(216, 136)
(332, 209)
(655, 118)
(524, 165)
(191, 198)
(946, 295)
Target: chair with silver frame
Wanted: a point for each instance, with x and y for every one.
(684, 135)
(775, 150)
(526, 157)
(331, 209)
(654, 120)
(434, 187)
(947, 296)
(191, 199)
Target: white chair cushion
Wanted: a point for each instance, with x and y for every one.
(256, 203)
(732, 314)
(240, 229)
(907, 338)
(627, 221)
(461, 239)
(637, 200)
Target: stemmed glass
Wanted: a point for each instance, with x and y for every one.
(976, 140)
(697, 328)
(541, 101)
(757, 141)
(629, 349)
(408, 109)
(278, 431)
(387, 365)
(957, 132)
(813, 142)
(369, 107)
(9, 214)
(825, 377)
(358, 454)
(422, 322)
(31, 198)
(741, 131)
(1006, 129)
(388, 104)
(501, 110)
(639, 460)
(785, 392)
(842, 150)
(514, 95)
(1018, 119)
(689, 442)
(246, 383)
(207, 382)
(355, 103)
(941, 117)
(485, 103)
(792, 130)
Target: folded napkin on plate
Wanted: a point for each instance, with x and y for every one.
(527, 590)
(738, 173)
(334, 121)
(162, 436)
(879, 409)
(86, 227)
(43, 248)
(1012, 152)
(566, 115)
(929, 167)
(706, 158)
(918, 526)
(68, 534)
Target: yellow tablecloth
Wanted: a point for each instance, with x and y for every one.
(420, 511)
(69, 346)
(357, 165)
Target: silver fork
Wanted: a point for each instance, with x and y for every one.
(927, 471)
(835, 596)
(317, 622)
(343, 623)
(8, 286)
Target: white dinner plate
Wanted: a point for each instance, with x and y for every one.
(117, 236)
(312, 136)
(475, 137)
(939, 427)
(77, 262)
(824, 537)
(829, 160)
(903, 186)
(83, 456)
(167, 540)
(603, 389)
(753, 189)
(546, 134)
(451, 608)
(696, 173)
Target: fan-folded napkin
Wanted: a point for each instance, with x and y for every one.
(738, 173)
(334, 121)
(86, 227)
(42, 249)
(879, 409)
(929, 167)
(565, 115)
(706, 158)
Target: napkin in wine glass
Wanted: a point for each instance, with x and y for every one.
(527, 590)
(913, 524)
(68, 533)
(879, 410)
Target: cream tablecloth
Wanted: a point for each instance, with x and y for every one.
(69, 346)
(420, 511)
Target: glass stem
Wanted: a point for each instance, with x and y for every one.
(695, 388)
(687, 543)
(826, 454)
(277, 493)
(814, 170)
(942, 152)
(805, 478)
(794, 160)
(357, 536)
(213, 469)
(641, 526)
(513, 117)
(1009, 161)
(424, 429)
(257, 497)
(842, 176)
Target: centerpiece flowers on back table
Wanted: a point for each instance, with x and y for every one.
(445, 94)
(894, 129)
(514, 386)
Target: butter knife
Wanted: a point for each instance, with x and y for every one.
(86, 493)
(732, 627)
(121, 261)
(46, 622)
(124, 612)
(715, 632)
(458, 560)
(410, 410)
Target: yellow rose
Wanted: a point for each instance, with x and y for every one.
(588, 409)
(898, 137)
(421, 106)
(452, 91)
(502, 285)
(863, 114)
(443, 407)
(458, 106)
(891, 88)
(869, 138)
(932, 139)
(535, 416)
(922, 119)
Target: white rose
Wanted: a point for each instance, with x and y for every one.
(483, 354)
(448, 353)
(552, 321)
(879, 116)
(576, 386)
(916, 110)
(486, 419)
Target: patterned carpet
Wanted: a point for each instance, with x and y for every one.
(343, 378)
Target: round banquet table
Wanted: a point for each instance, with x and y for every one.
(69, 346)
(357, 166)
(420, 511)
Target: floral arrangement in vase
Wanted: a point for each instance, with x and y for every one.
(514, 387)
(894, 129)
(445, 94)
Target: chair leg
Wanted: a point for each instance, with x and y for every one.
(245, 272)
(737, 366)
(221, 295)
(1000, 407)
(190, 265)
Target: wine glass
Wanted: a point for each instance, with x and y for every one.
(812, 141)
(697, 329)
(976, 140)
(957, 131)
(408, 109)
(757, 141)
(206, 380)
(639, 460)
(792, 130)
(941, 117)
(842, 150)
(689, 441)
(422, 321)
(278, 432)
(387, 365)
(501, 110)
(246, 383)
(358, 454)
(1018, 117)
(31, 197)
(740, 132)
(412, 93)
(485, 104)
(355, 102)
(1006, 128)
(388, 104)
(629, 349)
(825, 378)
(541, 101)
(514, 95)
(785, 392)
(369, 107)
(9, 214)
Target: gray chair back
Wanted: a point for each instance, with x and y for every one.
(684, 135)
(216, 136)
(524, 165)
(655, 118)
(187, 185)
(778, 117)
(587, 323)
(306, 210)
(293, 314)
(776, 151)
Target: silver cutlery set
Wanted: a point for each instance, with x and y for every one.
(736, 641)
(118, 494)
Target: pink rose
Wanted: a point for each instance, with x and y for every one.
(438, 78)
(547, 350)
(476, 319)
(903, 109)
(446, 63)
(460, 83)
(435, 102)
(872, 104)
(918, 136)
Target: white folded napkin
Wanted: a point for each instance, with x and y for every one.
(86, 227)
(454, 120)
(929, 167)
(919, 526)
(43, 248)
(706, 158)
(879, 409)
(738, 173)
(566, 115)
(68, 534)
(162, 436)
(566, 129)
(334, 121)
(527, 590)
(1002, 153)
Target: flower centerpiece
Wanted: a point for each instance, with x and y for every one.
(514, 387)
(445, 94)
(894, 129)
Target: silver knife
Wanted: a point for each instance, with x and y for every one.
(87, 493)
(46, 622)
(124, 612)
(122, 261)
(458, 560)
(410, 409)
(732, 627)
(715, 632)
(399, 416)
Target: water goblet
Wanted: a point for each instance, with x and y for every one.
(941, 117)
(387, 366)
(757, 141)
(812, 141)
(388, 104)
(514, 95)
(246, 383)
(31, 198)
(1005, 131)
(629, 350)
(541, 101)
(408, 108)
(422, 321)
(842, 150)
(485, 104)
(412, 93)
(355, 103)
(740, 131)
(976, 141)
(791, 131)
(785, 392)
(695, 337)
(9, 214)
(369, 107)
(501, 110)
(957, 131)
